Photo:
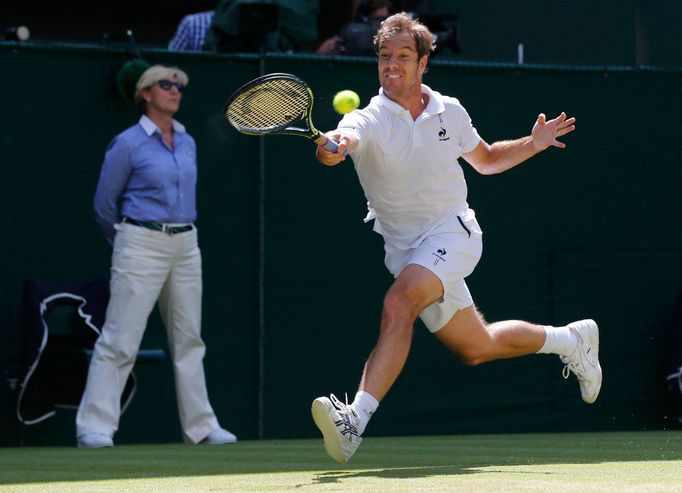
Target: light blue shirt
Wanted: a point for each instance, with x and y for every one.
(144, 179)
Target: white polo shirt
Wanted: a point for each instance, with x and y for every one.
(408, 168)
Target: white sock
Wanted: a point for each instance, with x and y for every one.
(364, 405)
(559, 340)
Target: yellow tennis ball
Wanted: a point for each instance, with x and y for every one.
(346, 101)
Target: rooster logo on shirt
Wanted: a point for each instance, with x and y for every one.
(442, 135)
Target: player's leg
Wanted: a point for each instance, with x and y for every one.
(341, 425)
(457, 323)
(420, 273)
(413, 290)
(475, 341)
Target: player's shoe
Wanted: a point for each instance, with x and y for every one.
(584, 361)
(339, 426)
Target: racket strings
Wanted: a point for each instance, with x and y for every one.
(274, 103)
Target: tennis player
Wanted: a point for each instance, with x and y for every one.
(405, 147)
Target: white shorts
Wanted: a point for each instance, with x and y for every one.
(451, 253)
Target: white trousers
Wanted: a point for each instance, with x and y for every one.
(150, 266)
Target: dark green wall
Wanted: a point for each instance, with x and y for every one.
(600, 32)
(293, 278)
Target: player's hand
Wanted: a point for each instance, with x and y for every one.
(329, 158)
(545, 133)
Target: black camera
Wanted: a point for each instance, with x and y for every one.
(357, 38)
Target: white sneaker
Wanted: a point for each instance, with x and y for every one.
(219, 436)
(95, 440)
(584, 361)
(339, 426)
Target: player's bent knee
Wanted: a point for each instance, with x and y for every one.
(398, 306)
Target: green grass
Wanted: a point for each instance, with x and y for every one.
(581, 462)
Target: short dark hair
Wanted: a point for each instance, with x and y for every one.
(404, 23)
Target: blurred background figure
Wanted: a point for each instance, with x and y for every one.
(355, 37)
(191, 32)
(267, 25)
(283, 26)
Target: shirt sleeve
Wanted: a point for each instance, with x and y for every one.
(179, 41)
(113, 179)
(359, 123)
(467, 134)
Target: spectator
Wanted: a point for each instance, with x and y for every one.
(191, 32)
(270, 25)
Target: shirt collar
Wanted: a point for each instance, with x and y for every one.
(433, 107)
(150, 127)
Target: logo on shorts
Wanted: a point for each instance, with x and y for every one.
(439, 254)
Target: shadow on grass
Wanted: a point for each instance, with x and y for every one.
(384, 457)
(391, 473)
(408, 473)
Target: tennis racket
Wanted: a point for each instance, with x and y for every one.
(275, 104)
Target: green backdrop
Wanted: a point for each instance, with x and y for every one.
(293, 278)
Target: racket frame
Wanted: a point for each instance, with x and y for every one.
(286, 128)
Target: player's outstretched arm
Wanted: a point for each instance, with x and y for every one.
(489, 159)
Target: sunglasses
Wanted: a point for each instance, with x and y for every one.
(167, 85)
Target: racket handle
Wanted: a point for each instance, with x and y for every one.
(330, 145)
